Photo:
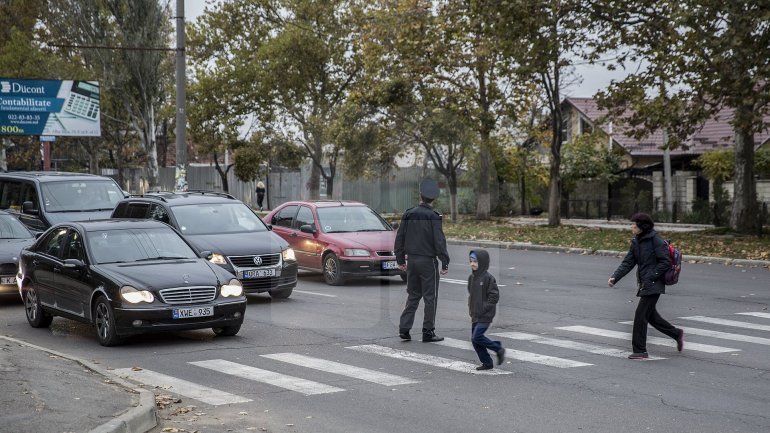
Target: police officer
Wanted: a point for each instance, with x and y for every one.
(420, 238)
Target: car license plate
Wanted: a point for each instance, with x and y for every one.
(8, 280)
(391, 264)
(184, 313)
(258, 273)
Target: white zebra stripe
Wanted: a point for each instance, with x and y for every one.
(762, 315)
(302, 386)
(433, 361)
(536, 358)
(651, 340)
(718, 334)
(341, 369)
(568, 344)
(175, 385)
(726, 322)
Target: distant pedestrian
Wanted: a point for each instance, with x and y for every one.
(650, 254)
(420, 244)
(483, 296)
(260, 194)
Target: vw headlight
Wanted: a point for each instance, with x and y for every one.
(218, 259)
(354, 252)
(233, 288)
(130, 294)
(288, 255)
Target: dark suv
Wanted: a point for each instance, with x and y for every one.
(236, 237)
(41, 199)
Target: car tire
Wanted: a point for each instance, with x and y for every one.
(332, 270)
(226, 331)
(36, 315)
(104, 323)
(281, 293)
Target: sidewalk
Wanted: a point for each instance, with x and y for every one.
(612, 224)
(44, 390)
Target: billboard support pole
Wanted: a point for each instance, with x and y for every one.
(181, 115)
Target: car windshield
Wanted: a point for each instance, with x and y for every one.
(350, 219)
(11, 228)
(217, 218)
(80, 195)
(132, 245)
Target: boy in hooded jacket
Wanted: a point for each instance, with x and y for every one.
(482, 305)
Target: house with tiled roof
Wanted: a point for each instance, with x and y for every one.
(643, 158)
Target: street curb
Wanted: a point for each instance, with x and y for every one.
(586, 251)
(138, 419)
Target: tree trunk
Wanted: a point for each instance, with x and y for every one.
(314, 183)
(150, 146)
(452, 182)
(523, 192)
(483, 204)
(745, 212)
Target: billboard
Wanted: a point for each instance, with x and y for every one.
(49, 107)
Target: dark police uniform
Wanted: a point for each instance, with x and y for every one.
(421, 239)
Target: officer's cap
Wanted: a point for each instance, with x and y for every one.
(429, 189)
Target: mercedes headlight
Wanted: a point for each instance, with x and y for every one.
(288, 255)
(130, 294)
(354, 252)
(218, 259)
(233, 288)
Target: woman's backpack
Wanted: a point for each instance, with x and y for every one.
(671, 276)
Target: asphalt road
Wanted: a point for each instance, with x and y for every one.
(566, 369)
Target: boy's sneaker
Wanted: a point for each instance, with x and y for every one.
(501, 356)
(484, 367)
(680, 341)
(638, 356)
(405, 336)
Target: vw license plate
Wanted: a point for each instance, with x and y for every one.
(258, 273)
(184, 313)
(8, 280)
(391, 264)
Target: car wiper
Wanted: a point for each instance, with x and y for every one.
(371, 230)
(161, 258)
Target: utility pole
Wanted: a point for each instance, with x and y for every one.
(181, 114)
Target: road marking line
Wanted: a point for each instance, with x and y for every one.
(314, 293)
(762, 315)
(536, 358)
(569, 344)
(433, 361)
(341, 369)
(726, 322)
(722, 335)
(175, 385)
(302, 386)
(651, 340)
(453, 281)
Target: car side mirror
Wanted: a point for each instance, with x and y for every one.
(28, 208)
(205, 255)
(307, 228)
(74, 264)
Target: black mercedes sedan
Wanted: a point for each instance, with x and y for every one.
(13, 237)
(126, 277)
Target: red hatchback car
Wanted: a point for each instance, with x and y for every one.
(341, 239)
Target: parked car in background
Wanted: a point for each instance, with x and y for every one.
(126, 277)
(42, 199)
(217, 222)
(341, 239)
(13, 238)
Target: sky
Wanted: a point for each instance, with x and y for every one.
(594, 77)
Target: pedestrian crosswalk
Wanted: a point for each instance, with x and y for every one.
(592, 344)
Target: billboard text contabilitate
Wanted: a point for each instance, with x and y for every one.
(49, 107)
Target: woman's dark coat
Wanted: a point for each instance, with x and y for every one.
(650, 253)
(482, 291)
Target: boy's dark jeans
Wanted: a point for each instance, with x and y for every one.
(481, 343)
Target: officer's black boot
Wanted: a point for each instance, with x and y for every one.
(429, 336)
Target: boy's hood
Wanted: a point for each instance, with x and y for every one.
(483, 258)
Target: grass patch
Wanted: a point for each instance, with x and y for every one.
(711, 243)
